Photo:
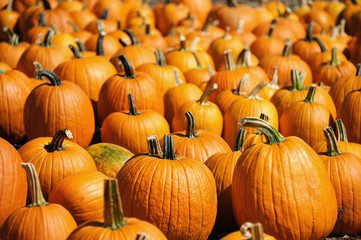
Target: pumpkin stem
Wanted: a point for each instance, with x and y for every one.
(240, 27)
(341, 131)
(227, 34)
(320, 43)
(80, 45)
(191, 125)
(229, 62)
(297, 81)
(105, 14)
(127, 66)
(309, 32)
(38, 39)
(332, 146)
(14, 40)
(76, 52)
(244, 58)
(171, 32)
(274, 81)
(207, 93)
(132, 105)
(119, 25)
(154, 145)
(334, 60)
(310, 98)
(46, 5)
(256, 231)
(100, 26)
(113, 210)
(242, 85)
(48, 38)
(206, 25)
(2, 71)
(85, 6)
(37, 198)
(178, 80)
(168, 148)
(9, 7)
(231, 3)
(9, 32)
(257, 90)
(134, 39)
(358, 72)
(210, 71)
(271, 134)
(270, 31)
(160, 58)
(287, 50)
(147, 29)
(142, 236)
(54, 79)
(38, 70)
(194, 43)
(265, 117)
(342, 27)
(100, 49)
(183, 43)
(124, 44)
(199, 64)
(239, 144)
(58, 139)
(74, 26)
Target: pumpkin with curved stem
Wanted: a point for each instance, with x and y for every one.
(56, 158)
(285, 63)
(115, 128)
(80, 35)
(306, 119)
(114, 92)
(13, 185)
(256, 137)
(62, 39)
(81, 194)
(173, 12)
(197, 144)
(108, 25)
(38, 79)
(8, 18)
(117, 9)
(179, 94)
(147, 178)
(152, 37)
(198, 76)
(288, 192)
(252, 105)
(47, 102)
(121, 34)
(322, 19)
(344, 169)
(109, 158)
(39, 219)
(83, 49)
(330, 72)
(115, 225)
(222, 167)
(10, 52)
(162, 73)
(37, 32)
(244, 233)
(208, 115)
(46, 54)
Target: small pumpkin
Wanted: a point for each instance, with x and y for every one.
(10, 52)
(244, 233)
(8, 18)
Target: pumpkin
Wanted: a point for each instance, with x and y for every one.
(82, 17)
(197, 144)
(62, 39)
(222, 167)
(39, 219)
(81, 194)
(256, 137)
(5, 67)
(8, 18)
(115, 225)
(56, 158)
(271, 87)
(252, 105)
(306, 119)
(246, 37)
(146, 178)
(116, 9)
(344, 169)
(109, 158)
(13, 184)
(208, 115)
(37, 32)
(153, 37)
(38, 79)
(321, 19)
(107, 24)
(270, 160)
(121, 34)
(113, 94)
(46, 103)
(244, 234)
(200, 8)
(10, 52)
(115, 128)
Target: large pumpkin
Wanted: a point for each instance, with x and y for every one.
(297, 201)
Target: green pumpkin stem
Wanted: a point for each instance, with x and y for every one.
(134, 39)
(358, 72)
(58, 139)
(206, 25)
(37, 198)
(309, 32)
(270, 31)
(100, 26)
(100, 49)
(85, 6)
(46, 5)
(229, 62)
(132, 105)
(210, 71)
(310, 98)
(239, 144)
(168, 148)
(320, 43)
(271, 134)
(341, 131)
(127, 67)
(74, 26)
(241, 88)
(105, 14)
(252, 231)
(80, 45)
(191, 126)
(199, 63)
(113, 210)
(9, 7)
(244, 58)
(257, 90)
(178, 80)
(2, 71)
(54, 79)
(38, 71)
(154, 146)
(76, 52)
(287, 50)
(48, 38)
(334, 60)
(14, 40)
(332, 146)
(264, 117)
(207, 93)
(231, 3)
(9, 32)
(296, 81)
(160, 58)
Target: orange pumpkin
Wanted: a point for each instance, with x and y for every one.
(82, 17)
(38, 32)
(244, 234)
(8, 18)
(10, 52)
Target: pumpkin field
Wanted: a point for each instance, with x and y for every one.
(180, 120)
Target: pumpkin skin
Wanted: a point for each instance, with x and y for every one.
(47, 102)
(82, 195)
(194, 215)
(109, 158)
(13, 185)
(38, 220)
(286, 163)
(11, 52)
(55, 158)
(256, 230)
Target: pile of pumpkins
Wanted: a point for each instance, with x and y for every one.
(213, 118)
